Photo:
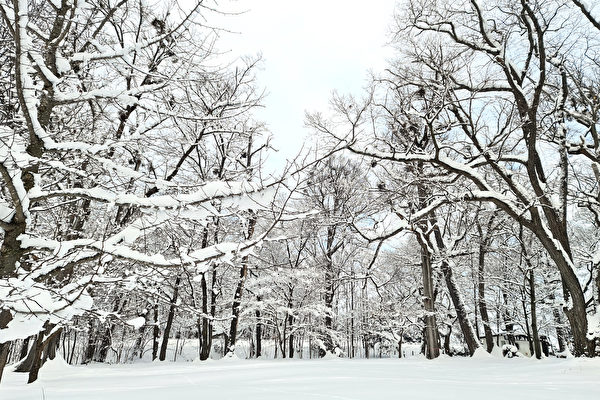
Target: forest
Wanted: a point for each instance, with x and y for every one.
(450, 210)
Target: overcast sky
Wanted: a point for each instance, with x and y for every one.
(310, 48)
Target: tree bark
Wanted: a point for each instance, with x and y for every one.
(5, 318)
(489, 338)
(432, 339)
(206, 323)
(258, 331)
(155, 333)
(43, 349)
(26, 364)
(484, 241)
(170, 317)
(329, 291)
(237, 297)
(24, 348)
(536, 337)
(291, 337)
(455, 295)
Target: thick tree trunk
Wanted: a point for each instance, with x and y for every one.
(328, 299)
(24, 348)
(169, 324)
(4, 347)
(90, 350)
(432, 339)
(52, 344)
(575, 307)
(26, 364)
(456, 297)
(44, 349)
(106, 343)
(5, 318)
(329, 286)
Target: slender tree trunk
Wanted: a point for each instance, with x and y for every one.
(447, 341)
(527, 331)
(155, 333)
(258, 330)
(205, 331)
(291, 337)
(237, 297)
(400, 346)
(558, 324)
(534, 328)
(483, 243)
(72, 352)
(170, 317)
(352, 316)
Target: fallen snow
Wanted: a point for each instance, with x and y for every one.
(343, 379)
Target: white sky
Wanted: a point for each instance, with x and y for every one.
(310, 48)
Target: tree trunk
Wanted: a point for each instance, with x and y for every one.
(25, 348)
(106, 343)
(72, 352)
(155, 333)
(235, 307)
(536, 337)
(329, 292)
(258, 331)
(432, 339)
(5, 318)
(90, 349)
(489, 338)
(239, 291)
(574, 308)
(43, 349)
(26, 364)
(459, 306)
(205, 331)
(291, 337)
(170, 317)
(527, 331)
(400, 346)
(447, 341)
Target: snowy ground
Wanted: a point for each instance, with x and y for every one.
(340, 379)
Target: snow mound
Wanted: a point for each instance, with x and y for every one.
(497, 352)
(481, 354)
(230, 357)
(197, 360)
(55, 367)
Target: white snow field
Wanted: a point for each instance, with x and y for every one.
(341, 379)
